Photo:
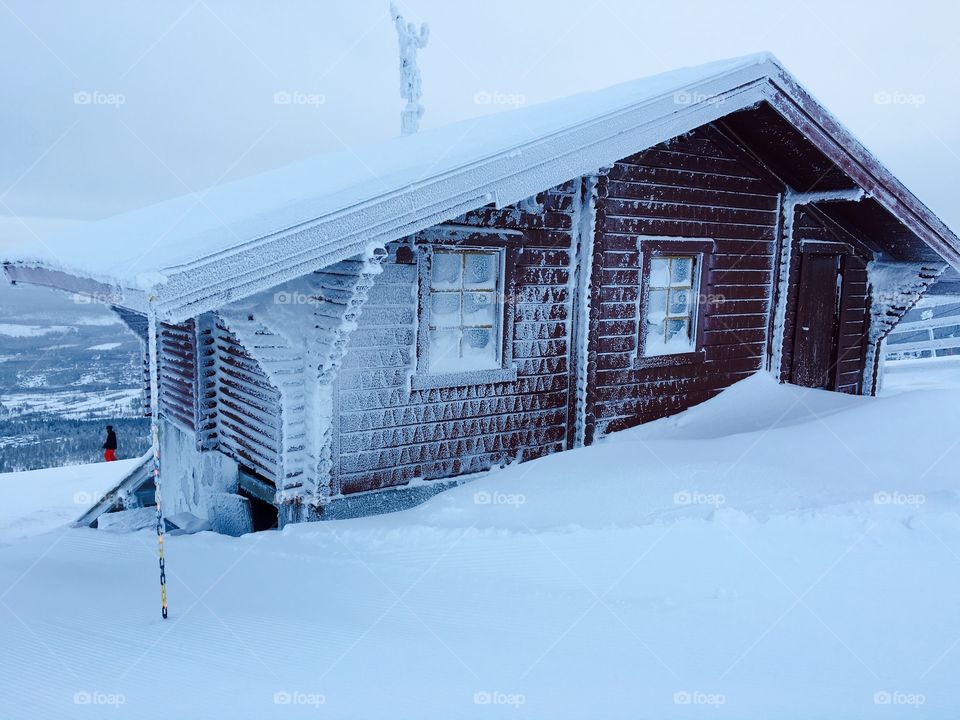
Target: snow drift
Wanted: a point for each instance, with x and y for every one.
(775, 552)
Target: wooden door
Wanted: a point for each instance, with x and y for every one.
(818, 309)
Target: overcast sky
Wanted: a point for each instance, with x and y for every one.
(114, 104)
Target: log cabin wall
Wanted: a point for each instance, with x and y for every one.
(248, 408)
(177, 366)
(852, 333)
(693, 187)
(389, 434)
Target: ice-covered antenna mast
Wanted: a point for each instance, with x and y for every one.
(410, 41)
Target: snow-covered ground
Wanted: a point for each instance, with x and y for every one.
(38, 501)
(774, 553)
(922, 374)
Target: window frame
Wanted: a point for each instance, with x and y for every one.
(701, 251)
(426, 378)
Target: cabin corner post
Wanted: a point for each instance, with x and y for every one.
(895, 289)
(790, 203)
(154, 380)
(581, 289)
(342, 291)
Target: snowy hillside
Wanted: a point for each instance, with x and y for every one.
(67, 367)
(776, 552)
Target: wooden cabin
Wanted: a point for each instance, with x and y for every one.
(353, 333)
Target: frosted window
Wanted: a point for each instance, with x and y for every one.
(659, 272)
(445, 309)
(446, 271)
(465, 315)
(670, 307)
(480, 271)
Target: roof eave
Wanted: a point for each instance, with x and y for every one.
(792, 101)
(39, 275)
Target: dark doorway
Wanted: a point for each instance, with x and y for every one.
(261, 492)
(265, 515)
(818, 312)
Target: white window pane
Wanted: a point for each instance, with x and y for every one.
(479, 348)
(656, 306)
(445, 309)
(482, 271)
(681, 271)
(446, 271)
(444, 350)
(659, 272)
(679, 302)
(478, 308)
(677, 329)
(654, 342)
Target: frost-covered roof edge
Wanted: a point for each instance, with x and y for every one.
(508, 174)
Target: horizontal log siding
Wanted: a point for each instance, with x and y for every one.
(248, 408)
(689, 188)
(206, 391)
(389, 435)
(854, 305)
(177, 360)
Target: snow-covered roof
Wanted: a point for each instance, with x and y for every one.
(198, 251)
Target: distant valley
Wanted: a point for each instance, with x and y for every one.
(67, 369)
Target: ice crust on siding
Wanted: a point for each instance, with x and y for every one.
(298, 333)
(581, 286)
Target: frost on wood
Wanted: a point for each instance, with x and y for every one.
(790, 201)
(297, 332)
(581, 288)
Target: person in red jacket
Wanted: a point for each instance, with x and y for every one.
(110, 446)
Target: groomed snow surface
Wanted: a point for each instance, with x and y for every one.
(774, 553)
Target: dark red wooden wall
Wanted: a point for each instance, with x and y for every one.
(699, 187)
(693, 187)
